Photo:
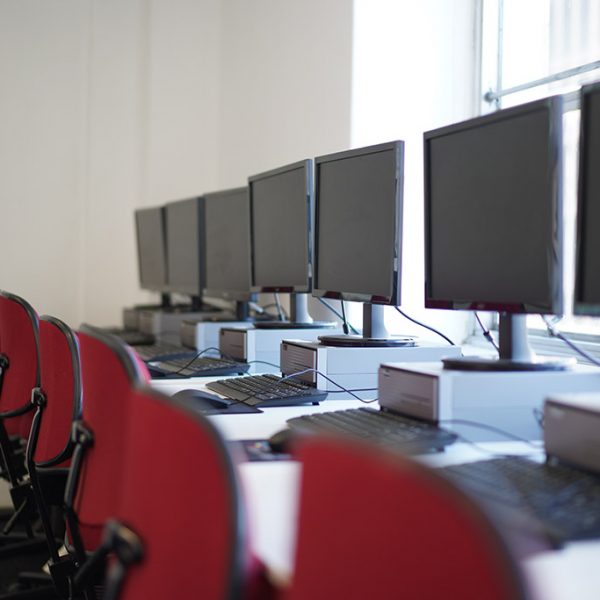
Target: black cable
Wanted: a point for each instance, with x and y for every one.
(280, 312)
(557, 334)
(292, 375)
(342, 388)
(274, 305)
(425, 326)
(338, 315)
(344, 321)
(486, 333)
(538, 415)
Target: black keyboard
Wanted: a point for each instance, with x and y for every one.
(164, 351)
(385, 428)
(132, 337)
(267, 390)
(563, 500)
(197, 367)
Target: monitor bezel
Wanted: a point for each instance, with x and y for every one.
(580, 307)
(307, 165)
(554, 304)
(394, 298)
(201, 224)
(227, 294)
(151, 288)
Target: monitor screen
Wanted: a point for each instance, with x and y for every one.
(152, 252)
(228, 244)
(587, 281)
(493, 224)
(280, 210)
(185, 246)
(358, 224)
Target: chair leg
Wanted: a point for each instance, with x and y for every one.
(15, 558)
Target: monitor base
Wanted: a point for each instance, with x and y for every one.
(473, 363)
(294, 324)
(357, 341)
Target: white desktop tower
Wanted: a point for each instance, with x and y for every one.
(511, 401)
(205, 334)
(262, 344)
(352, 368)
(572, 429)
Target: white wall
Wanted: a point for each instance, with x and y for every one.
(106, 105)
(43, 68)
(286, 76)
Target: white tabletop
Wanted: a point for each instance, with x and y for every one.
(271, 490)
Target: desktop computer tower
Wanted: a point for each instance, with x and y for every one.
(352, 368)
(252, 344)
(469, 401)
(206, 334)
(572, 429)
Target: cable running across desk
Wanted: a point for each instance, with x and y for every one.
(237, 389)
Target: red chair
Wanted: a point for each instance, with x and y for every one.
(57, 403)
(19, 374)
(191, 539)
(109, 370)
(178, 530)
(375, 525)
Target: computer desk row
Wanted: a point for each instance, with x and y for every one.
(271, 490)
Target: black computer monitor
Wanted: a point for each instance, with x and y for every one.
(228, 247)
(493, 223)
(151, 250)
(587, 274)
(186, 248)
(281, 228)
(358, 235)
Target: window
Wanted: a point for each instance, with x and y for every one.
(536, 48)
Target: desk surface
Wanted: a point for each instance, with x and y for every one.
(271, 490)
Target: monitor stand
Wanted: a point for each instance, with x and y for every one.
(198, 305)
(165, 300)
(515, 352)
(299, 317)
(375, 334)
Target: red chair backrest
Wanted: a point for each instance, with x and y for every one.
(19, 344)
(373, 525)
(61, 383)
(109, 371)
(181, 497)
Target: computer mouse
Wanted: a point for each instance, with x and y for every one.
(280, 441)
(203, 401)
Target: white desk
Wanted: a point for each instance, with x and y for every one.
(271, 490)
